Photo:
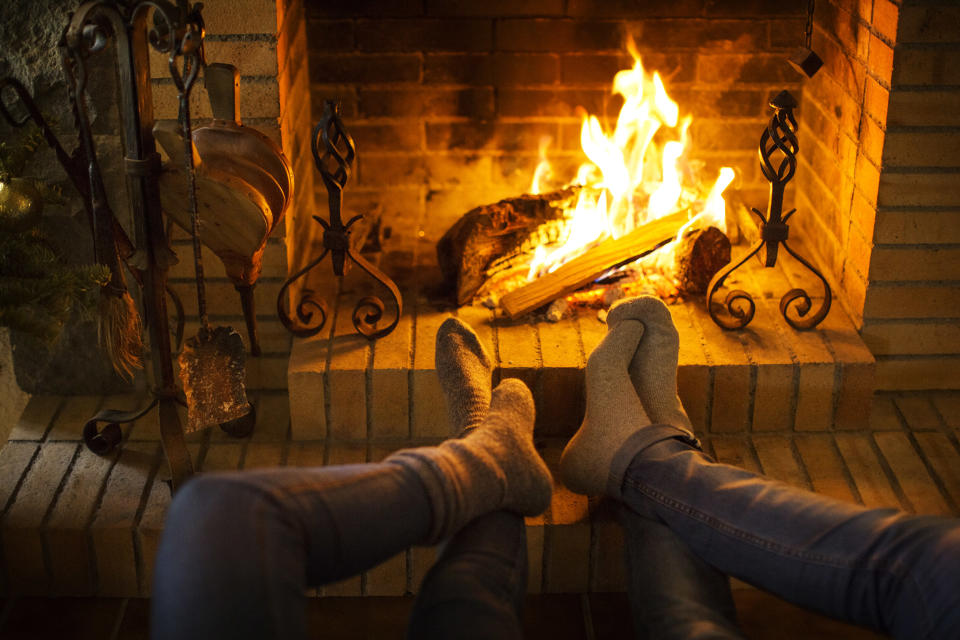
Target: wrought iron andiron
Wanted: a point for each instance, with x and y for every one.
(333, 153)
(779, 136)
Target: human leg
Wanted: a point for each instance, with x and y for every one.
(879, 568)
(476, 588)
(239, 549)
(876, 567)
(673, 594)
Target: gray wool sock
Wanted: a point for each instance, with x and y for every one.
(653, 369)
(494, 466)
(464, 369)
(614, 412)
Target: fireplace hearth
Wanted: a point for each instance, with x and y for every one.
(448, 103)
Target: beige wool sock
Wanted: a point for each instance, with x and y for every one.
(614, 411)
(653, 369)
(494, 466)
(464, 369)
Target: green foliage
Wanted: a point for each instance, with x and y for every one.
(13, 157)
(37, 290)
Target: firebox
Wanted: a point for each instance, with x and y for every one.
(454, 105)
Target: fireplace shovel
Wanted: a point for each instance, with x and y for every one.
(212, 363)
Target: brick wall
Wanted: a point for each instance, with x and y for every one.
(879, 186)
(448, 101)
(841, 140)
(913, 303)
(259, 38)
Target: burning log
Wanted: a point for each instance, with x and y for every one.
(493, 233)
(588, 267)
(700, 254)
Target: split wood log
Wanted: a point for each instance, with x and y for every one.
(491, 232)
(700, 254)
(584, 269)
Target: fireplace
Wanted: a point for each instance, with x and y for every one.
(449, 104)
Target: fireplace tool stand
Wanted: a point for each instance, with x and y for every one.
(779, 136)
(175, 29)
(333, 163)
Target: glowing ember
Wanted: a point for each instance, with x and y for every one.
(634, 174)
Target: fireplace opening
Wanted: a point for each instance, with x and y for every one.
(643, 112)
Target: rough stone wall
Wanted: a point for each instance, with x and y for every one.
(29, 33)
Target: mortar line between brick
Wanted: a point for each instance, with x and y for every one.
(837, 378)
(752, 451)
(91, 518)
(53, 418)
(44, 547)
(20, 480)
(326, 367)
(891, 475)
(945, 427)
(795, 451)
(937, 480)
(138, 558)
(847, 475)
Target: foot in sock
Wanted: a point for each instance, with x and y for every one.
(506, 435)
(464, 369)
(614, 411)
(653, 369)
(494, 466)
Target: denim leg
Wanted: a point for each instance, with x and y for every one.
(673, 593)
(476, 588)
(880, 568)
(239, 549)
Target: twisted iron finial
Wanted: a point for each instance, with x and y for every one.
(333, 153)
(778, 161)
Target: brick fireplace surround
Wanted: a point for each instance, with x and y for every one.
(447, 101)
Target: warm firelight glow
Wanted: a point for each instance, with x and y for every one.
(634, 174)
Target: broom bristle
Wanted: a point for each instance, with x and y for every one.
(120, 333)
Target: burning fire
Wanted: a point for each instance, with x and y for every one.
(634, 174)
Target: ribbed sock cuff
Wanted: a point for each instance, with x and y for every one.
(637, 442)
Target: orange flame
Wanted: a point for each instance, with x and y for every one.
(629, 178)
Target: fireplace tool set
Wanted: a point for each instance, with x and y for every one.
(226, 184)
(212, 363)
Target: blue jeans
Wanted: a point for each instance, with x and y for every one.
(239, 550)
(879, 568)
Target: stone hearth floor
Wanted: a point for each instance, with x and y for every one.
(77, 524)
(767, 377)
